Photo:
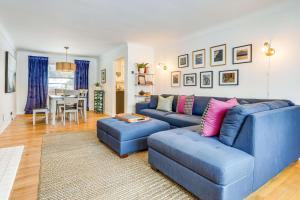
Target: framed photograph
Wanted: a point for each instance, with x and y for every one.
(199, 60)
(10, 73)
(183, 61)
(175, 79)
(242, 54)
(206, 79)
(103, 76)
(218, 55)
(141, 80)
(190, 79)
(229, 77)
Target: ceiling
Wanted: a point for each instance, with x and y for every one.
(90, 27)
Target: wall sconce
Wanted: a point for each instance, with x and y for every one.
(268, 50)
(163, 66)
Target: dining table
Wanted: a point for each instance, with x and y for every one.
(53, 99)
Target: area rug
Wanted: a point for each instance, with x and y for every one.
(78, 166)
(9, 162)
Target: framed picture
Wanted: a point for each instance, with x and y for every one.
(199, 60)
(218, 55)
(206, 79)
(229, 77)
(141, 80)
(190, 79)
(103, 76)
(175, 79)
(183, 61)
(10, 73)
(242, 54)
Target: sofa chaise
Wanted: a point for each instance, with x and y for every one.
(267, 142)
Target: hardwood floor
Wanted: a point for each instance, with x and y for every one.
(21, 132)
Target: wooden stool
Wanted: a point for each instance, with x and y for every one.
(39, 110)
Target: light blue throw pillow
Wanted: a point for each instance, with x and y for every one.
(165, 104)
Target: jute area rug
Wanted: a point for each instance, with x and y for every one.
(78, 166)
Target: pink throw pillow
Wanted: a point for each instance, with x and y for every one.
(213, 116)
(181, 103)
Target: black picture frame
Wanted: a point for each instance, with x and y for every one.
(212, 79)
(103, 76)
(186, 56)
(224, 56)
(179, 77)
(194, 53)
(190, 74)
(10, 73)
(233, 54)
(236, 83)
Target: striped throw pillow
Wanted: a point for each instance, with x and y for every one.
(185, 104)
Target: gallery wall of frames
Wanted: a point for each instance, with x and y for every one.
(217, 57)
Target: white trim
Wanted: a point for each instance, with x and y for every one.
(4, 126)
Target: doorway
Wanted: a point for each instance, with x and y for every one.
(119, 69)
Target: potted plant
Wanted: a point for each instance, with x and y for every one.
(142, 67)
(97, 86)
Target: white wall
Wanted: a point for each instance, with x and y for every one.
(137, 53)
(7, 101)
(132, 53)
(281, 24)
(22, 75)
(107, 61)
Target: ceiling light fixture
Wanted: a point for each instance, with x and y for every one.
(65, 66)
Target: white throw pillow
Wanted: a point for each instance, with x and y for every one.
(165, 104)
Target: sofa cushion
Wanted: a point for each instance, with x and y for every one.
(157, 114)
(236, 116)
(165, 103)
(205, 156)
(182, 120)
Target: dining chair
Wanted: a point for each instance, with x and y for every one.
(82, 94)
(71, 101)
(59, 104)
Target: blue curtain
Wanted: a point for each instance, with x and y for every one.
(37, 83)
(82, 75)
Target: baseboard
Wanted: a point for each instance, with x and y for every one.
(4, 126)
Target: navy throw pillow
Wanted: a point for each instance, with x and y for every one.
(153, 101)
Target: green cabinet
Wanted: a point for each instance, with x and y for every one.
(99, 101)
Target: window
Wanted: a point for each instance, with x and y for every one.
(59, 80)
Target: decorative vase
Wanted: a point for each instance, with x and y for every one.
(146, 70)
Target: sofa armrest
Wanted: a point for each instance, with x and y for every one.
(141, 106)
(273, 138)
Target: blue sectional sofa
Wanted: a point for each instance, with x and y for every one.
(267, 141)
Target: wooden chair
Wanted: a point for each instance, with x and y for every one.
(59, 104)
(71, 101)
(82, 94)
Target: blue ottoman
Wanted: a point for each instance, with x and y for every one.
(125, 138)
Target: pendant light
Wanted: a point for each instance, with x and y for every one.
(65, 66)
